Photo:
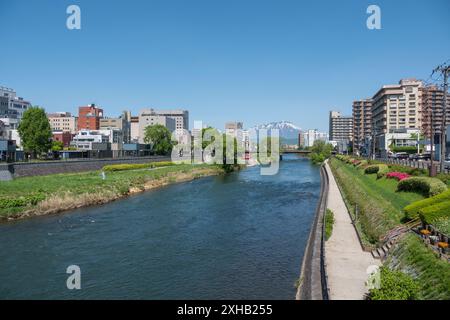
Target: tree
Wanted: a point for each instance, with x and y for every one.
(320, 151)
(160, 137)
(35, 132)
(57, 145)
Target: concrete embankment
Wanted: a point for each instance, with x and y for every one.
(313, 278)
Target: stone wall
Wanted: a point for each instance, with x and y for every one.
(28, 169)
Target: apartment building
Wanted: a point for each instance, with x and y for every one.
(89, 117)
(431, 110)
(63, 121)
(308, 137)
(362, 123)
(395, 109)
(340, 127)
(149, 117)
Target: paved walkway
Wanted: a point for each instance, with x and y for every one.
(346, 261)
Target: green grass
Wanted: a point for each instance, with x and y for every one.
(380, 205)
(412, 257)
(87, 182)
(329, 222)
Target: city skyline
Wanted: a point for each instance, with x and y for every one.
(130, 58)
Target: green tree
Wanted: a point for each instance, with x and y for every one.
(35, 132)
(57, 145)
(160, 137)
(320, 151)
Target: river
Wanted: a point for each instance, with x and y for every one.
(240, 236)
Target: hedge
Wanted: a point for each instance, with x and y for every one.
(412, 210)
(382, 169)
(137, 166)
(435, 212)
(425, 185)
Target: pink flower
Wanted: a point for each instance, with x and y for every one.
(397, 175)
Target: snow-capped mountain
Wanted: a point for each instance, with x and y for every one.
(287, 129)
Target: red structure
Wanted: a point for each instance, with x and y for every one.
(64, 136)
(89, 117)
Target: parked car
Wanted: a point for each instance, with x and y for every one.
(401, 155)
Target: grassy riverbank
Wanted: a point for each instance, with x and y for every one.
(41, 195)
(412, 257)
(380, 205)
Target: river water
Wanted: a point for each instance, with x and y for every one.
(240, 236)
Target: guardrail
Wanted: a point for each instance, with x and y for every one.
(313, 277)
(414, 164)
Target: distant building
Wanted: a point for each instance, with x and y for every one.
(63, 136)
(431, 110)
(234, 129)
(362, 123)
(134, 129)
(340, 127)
(122, 123)
(89, 117)
(149, 117)
(91, 140)
(63, 121)
(395, 108)
(310, 136)
(12, 107)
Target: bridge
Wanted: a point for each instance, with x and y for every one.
(295, 151)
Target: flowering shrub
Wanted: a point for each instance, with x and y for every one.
(443, 245)
(397, 175)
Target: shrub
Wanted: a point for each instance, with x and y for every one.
(408, 170)
(445, 178)
(371, 169)
(22, 201)
(395, 285)
(407, 149)
(383, 169)
(435, 212)
(424, 185)
(136, 166)
(329, 221)
(412, 210)
(362, 164)
(399, 176)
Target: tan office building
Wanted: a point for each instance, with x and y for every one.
(63, 121)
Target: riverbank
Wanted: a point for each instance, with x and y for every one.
(377, 207)
(41, 195)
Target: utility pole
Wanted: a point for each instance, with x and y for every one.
(444, 69)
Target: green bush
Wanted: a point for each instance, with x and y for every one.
(317, 158)
(408, 170)
(412, 210)
(435, 212)
(383, 169)
(395, 285)
(445, 178)
(21, 201)
(136, 166)
(371, 169)
(424, 185)
(329, 222)
(407, 149)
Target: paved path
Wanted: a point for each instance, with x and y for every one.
(346, 261)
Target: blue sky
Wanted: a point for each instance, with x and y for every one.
(251, 60)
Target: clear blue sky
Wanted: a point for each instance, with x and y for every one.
(250, 60)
